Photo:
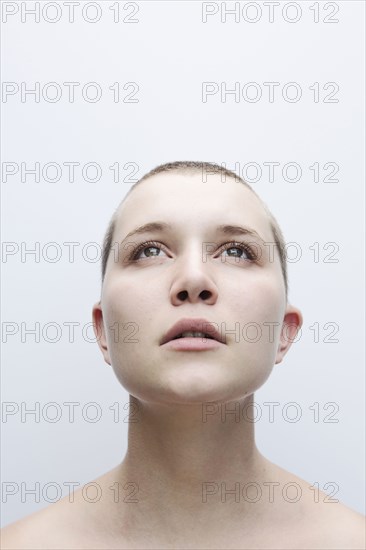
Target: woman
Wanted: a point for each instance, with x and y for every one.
(194, 262)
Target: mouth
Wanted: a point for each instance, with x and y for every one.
(194, 330)
(191, 334)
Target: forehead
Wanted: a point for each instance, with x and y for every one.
(189, 202)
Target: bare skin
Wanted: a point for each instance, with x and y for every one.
(305, 524)
(177, 466)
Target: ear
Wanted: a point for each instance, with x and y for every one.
(99, 331)
(291, 325)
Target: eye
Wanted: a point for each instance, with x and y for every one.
(245, 251)
(148, 245)
(242, 248)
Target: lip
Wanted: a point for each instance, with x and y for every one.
(194, 325)
(193, 344)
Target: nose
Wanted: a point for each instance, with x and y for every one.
(192, 281)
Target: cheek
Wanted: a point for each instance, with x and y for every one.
(127, 299)
(129, 311)
(259, 312)
(260, 299)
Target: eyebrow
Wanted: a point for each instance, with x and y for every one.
(225, 229)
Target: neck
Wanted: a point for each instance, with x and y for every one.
(188, 444)
(183, 462)
(185, 472)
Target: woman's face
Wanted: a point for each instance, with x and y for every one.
(188, 273)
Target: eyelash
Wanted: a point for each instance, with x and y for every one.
(234, 244)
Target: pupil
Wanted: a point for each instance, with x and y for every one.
(149, 248)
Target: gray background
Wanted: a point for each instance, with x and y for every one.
(169, 52)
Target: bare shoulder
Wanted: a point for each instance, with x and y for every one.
(64, 524)
(24, 533)
(14, 535)
(325, 525)
(345, 528)
(43, 529)
(68, 523)
(60, 526)
(321, 521)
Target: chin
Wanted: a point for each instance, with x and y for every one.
(195, 390)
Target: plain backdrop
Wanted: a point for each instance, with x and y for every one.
(168, 53)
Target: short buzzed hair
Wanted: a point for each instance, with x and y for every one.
(205, 168)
